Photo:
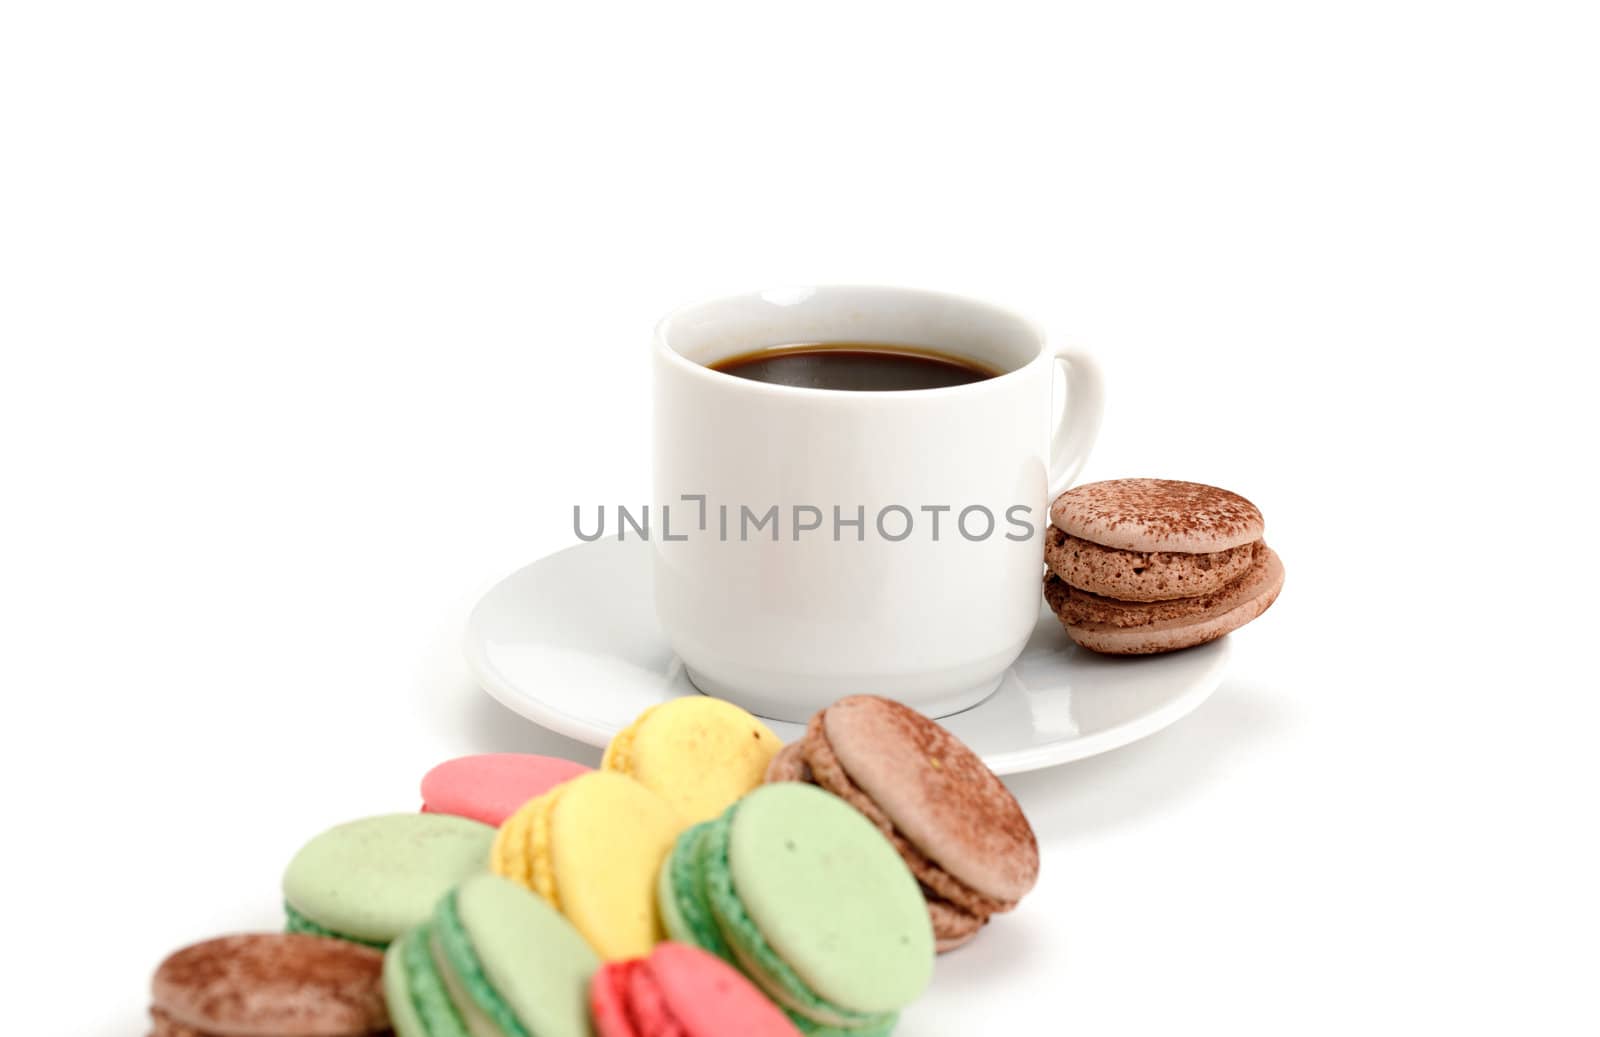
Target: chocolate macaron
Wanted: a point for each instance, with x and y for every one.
(285, 984)
(955, 824)
(1139, 566)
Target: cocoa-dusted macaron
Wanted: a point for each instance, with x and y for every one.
(956, 825)
(284, 984)
(1139, 566)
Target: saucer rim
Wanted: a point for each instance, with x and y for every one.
(1016, 761)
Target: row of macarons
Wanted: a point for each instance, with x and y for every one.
(830, 898)
(493, 960)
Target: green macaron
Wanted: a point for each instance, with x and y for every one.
(812, 903)
(681, 896)
(373, 879)
(495, 959)
(419, 1004)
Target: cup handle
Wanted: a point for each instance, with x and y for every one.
(1080, 419)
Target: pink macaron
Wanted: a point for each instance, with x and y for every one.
(681, 990)
(491, 786)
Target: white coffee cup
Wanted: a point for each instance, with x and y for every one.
(933, 617)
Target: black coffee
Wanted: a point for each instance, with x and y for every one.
(857, 366)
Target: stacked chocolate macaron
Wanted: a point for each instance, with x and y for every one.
(1139, 566)
(955, 825)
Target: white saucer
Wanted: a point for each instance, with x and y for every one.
(571, 643)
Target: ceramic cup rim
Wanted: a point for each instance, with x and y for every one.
(667, 329)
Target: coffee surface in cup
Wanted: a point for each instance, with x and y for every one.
(855, 366)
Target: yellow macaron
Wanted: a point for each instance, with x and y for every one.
(697, 752)
(592, 847)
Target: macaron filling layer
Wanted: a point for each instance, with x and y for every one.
(430, 997)
(1079, 607)
(681, 896)
(754, 956)
(1141, 575)
(478, 1024)
(952, 926)
(1185, 632)
(295, 922)
(450, 939)
(525, 955)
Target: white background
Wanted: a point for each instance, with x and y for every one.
(317, 319)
